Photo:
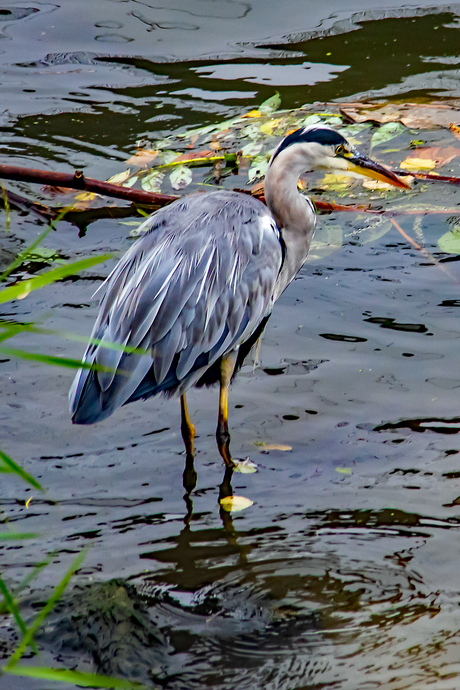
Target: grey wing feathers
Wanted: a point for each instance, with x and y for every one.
(194, 287)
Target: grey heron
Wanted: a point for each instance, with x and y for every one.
(190, 298)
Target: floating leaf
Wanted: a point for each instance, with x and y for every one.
(336, 183)
(180, 177)
(120, 177)
(251, 149)
(85, 196)
(168, 156)
(388, 131)
(233, 504)
(196, 155)
(270, 105)
(12, 536)
(22, 289)
(143, 157)
(152, 181)
(333, 121)
(253, 113)
(415, 164)
(258, 167)
(270, 126)
(310, 120)
(245, 466)
(343, 470)
(131, 182)
(272, 446)
(417, 116)
(450, 241)
(429, 158)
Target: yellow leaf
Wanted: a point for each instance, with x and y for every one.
(252, 113)
(343, 470)
(28, 501)
(119, 178)
(336, 183)
(273, 446)
(269, 127)
(233, 504)
(86, 196)
(415, 164)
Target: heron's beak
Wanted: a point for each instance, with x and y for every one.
(358, 163)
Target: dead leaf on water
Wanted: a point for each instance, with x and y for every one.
(143, 157)
(429, 158)
(120, 177)
(272, 446)
(415, 115)
(233, 504)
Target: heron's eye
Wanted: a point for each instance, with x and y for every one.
(340, 150)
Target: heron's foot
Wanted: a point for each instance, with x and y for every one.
(223, 443)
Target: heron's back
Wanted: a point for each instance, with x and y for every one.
(197, 285)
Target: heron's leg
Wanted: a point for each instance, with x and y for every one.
(186, 427)
(227, 367)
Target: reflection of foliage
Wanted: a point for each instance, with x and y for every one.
(28, 632)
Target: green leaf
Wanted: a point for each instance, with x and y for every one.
(450, 241)
(386, 132)
(11, 467)
(180, 177)
(152, 181)
(13, 608)
(270, 105)
(120, 177)
(86, 680)
(258, 167)
(66, 362)
(251, 149)
(12, 536)
(310, 120)
(22, 289)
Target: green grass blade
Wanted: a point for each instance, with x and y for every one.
(6, 205)
(30, 576)
(86, 680)
(13, 607)
(23, 255)
(22, 289)
(10, 466)
(56, 361)
(12, 536)
(48, 607)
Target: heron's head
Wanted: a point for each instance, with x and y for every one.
(320, 147)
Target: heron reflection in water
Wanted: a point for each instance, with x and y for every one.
(195, 292)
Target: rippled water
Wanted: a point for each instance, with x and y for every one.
(344, 572)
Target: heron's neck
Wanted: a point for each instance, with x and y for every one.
(293, 214)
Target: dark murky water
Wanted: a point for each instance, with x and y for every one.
(345, 571)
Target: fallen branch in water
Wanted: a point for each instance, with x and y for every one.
(82, 183)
